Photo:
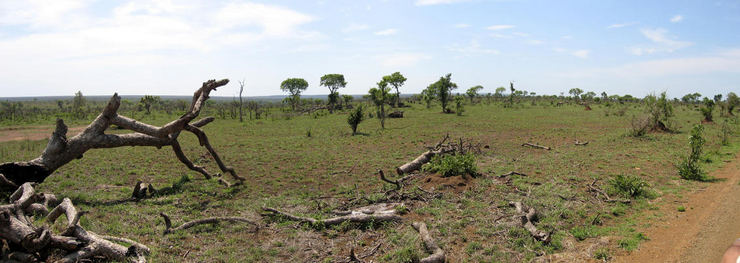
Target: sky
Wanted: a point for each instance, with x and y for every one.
(161, 47)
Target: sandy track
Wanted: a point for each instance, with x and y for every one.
(701, 234)
(32, 133)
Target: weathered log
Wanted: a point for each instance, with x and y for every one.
(527, 217)
(581, 143)
(60, 150)
(536, 146)
(29, 243)
(417, 163)
(377, 212)
(211, 220)
(437, 254)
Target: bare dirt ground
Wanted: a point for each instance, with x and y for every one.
(32, 133)
(701, 234)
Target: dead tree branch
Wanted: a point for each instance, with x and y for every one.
(512, 173)
(60, 150)
(581, 143)
(437, 254)
(527, 217)
(536, 146)
(29, 243)
(594, 188)
(211, 220)
(376, 212)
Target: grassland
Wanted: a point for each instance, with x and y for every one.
(312, 175)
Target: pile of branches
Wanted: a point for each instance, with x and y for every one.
(461, 146)
(29, 243)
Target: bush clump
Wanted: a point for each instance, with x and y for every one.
(689, 168)
(355, 117)
(453, 165)
(629, 186)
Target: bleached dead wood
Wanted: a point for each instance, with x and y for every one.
(536, 146)
(211, 220)
(29, 243)
(437, 254)
(527, 217)
(580, 143)
(377, 213)
(60, 150)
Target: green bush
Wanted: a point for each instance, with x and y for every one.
(355, 117)
(689, 168)
(453, 165)
(629, 185)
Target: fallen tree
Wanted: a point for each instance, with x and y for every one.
(60, 150)
(536, 146)
(527, 217)
(377, 213)
(437, 254)
(210, 220)
(28, 243)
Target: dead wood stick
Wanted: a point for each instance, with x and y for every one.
(437, 254)
(376, 212)
(512, 173)
(592, 186)
(536, 146)
(395, 182)
(211, 220)
(581, 143)
(528, 215)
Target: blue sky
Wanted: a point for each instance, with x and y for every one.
(548, 47)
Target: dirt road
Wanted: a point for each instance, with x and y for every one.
(701, 234)
(32, 133)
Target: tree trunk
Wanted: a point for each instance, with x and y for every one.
(60, 150)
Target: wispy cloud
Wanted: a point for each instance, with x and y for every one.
(437, 2)
(676, 18)
(581, 53)
(661, 42)
(386, 32)
(621, 25)
(402, 59)
(355, 27)
(499, 27)
(462, 25)
(473, 48)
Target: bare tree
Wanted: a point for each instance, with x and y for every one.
(60, 150)
(241, 89)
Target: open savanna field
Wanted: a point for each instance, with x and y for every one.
(310, 165)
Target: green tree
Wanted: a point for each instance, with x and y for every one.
(347, 100)
(473, 92)
(575, 92)
(355, 117)
(294, 86)
(707, 109)
(148, 101)
(732, 102)
(334, 82)
(459, 108)
(442, 90)
(78, 105)
(691, 98)
(396, 80)
(499, 92)
(428, 95)
(379, 97)
(689, 168)
(660, 111)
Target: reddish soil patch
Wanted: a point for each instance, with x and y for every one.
(456, 184)
(703, 232)
(32, 133)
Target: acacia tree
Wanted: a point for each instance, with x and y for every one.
(396, 80)
(575, 92)
(473, 92)
(428, 95)
(732, 102)
(294, 86)
(60, 150)
(380, 97)
(333, 82)
(347, 100)
(147, 101)
(442, 89)
(499, 92)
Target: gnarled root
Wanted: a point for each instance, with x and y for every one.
(377, 212)
(437, 254)
(527, 217)
(30, 243)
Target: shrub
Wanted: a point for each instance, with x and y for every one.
(707, 109)
(355, 117)
(660, 111)
(453, 165)
(689, 168)
(640, 126)
(629, 185)
(459, 105)
(726, 133)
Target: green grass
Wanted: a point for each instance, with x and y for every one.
(312, 175)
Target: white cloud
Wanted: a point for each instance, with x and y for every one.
(581, 53)
(402, 59)
(274, 20)
(661, 42)
(621, 25)
(386, 32)
(499, 27)
(534, 42)
(355, 27)
(462, 25)
(437, 2)
(473, 48)
(676, 18)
